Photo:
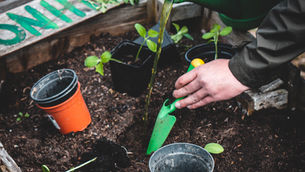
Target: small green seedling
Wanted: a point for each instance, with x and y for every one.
(21, 116)
(180, 33)
(46, 169)
(152, 46)
(214, 34)
(98, 63)
(214, 148)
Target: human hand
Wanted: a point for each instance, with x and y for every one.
(207, 83)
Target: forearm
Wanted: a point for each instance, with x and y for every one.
(280, 38)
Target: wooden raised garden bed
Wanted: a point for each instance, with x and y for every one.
(270, 139)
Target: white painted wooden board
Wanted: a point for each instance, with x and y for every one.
(30, 38)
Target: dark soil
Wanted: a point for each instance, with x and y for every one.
(270, 140)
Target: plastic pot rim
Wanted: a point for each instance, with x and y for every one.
(202, 45)
(116, 49)
(63, 103)
(180, 143)
(60, 94)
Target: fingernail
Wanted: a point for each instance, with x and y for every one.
(189, 106)
(178, 105)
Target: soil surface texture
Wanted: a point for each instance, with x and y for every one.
(269, 140)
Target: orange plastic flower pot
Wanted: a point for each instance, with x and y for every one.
(72, 115)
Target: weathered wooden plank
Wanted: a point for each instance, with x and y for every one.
(78, 35)
(7, 164)
(152, 9)
(181, 11)
(69, 15)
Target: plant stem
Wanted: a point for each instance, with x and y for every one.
(166, 9)
(138, 53)
(216, 48)
(83, 164)
(119, 61)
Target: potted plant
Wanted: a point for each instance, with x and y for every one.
(212, 49)
(130, 62)
(169, 53)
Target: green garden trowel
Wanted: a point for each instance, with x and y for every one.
(165, 121)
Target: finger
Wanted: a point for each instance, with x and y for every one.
(185, 79)
(191, 99)
(186, 90)
(202, 102)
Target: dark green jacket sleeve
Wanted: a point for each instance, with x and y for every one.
(279, 39)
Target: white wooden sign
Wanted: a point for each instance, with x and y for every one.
(39, 19)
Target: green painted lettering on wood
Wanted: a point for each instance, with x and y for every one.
(20, 34)
(90, 4)
(72, 8)
(55, 11)
(27, 23)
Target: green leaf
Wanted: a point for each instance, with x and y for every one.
(177, 38)
(152, 46)
(91, 61)
(184, 30)
(211, 40)
(26, 115)
(105, 57)
(45, 168)
(215, 28)
(18, 119)
(226, 31)
(208, 35)
(140, 29)
(188, 36)
(20, 114)
(174, 38)
(100, 69)
(176, 26)
(152, 33)
(214, 148)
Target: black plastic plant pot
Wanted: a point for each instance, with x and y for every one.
(206, 52)
(169, 53)
(54, 88)
(181, 157)
(131, 78)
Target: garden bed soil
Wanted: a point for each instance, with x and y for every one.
(270, 140)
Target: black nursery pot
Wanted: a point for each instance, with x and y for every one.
(206, 52)
(131, 78)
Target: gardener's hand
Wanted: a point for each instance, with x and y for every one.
(207, 83)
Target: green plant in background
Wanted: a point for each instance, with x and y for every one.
(98, 63)
(21, 116)
(215, 33)
(180, 33)
(101, 5)
(152, 46)
(214, 148)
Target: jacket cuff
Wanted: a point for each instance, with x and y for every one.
(252, 78)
